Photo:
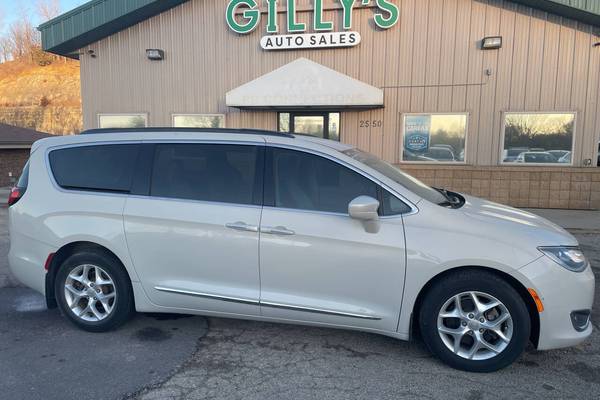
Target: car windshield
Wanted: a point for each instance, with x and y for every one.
(414, 185)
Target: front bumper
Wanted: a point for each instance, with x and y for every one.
(562, 293)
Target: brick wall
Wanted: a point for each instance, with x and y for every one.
(12, 160)
(536, 187)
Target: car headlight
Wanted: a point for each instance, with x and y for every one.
(570, 258)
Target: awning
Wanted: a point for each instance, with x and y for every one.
(305, 84)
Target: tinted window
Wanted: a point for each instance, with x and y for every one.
(391, 205)
(23, 181)
(398, 176)
(208, 172)
(309, 182)
(101, 167)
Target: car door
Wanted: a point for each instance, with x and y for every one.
(193, 237)
(318, 264)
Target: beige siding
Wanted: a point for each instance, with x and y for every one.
(429, 62)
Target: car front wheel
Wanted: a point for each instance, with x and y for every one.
(475, 321)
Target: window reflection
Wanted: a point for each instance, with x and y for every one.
(106, 121)
(284, 122)
(323, 125)
(198, 121)
(334, 126)
(538, 138)
(435, 137)
(310, 125)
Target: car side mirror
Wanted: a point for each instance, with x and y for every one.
(365, 209)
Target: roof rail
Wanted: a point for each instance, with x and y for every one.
(191, 130)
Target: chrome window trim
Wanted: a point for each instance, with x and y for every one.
(411, 205)
(191, 201)
(330, 213)
(140, 142)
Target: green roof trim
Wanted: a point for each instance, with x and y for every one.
(587, 11)
(95, 20)
(98, 19)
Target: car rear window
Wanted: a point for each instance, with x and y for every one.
(23, 181)
(99, 167)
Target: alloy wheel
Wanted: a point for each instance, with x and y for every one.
(475, 325)
(90, 293)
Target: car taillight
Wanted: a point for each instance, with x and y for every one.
(14, 196)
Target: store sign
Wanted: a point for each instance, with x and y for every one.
(310, 40)
(250, 14)
(417, 133)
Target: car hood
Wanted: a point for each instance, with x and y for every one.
(518, 224)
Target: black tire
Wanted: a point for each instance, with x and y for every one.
(122, 305)
(476, 281)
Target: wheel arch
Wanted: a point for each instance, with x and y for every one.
(63, 254)
(515, 283)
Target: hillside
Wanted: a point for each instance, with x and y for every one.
(45, 98)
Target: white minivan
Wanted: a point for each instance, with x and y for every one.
(288, 228)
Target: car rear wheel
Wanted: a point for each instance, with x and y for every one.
(94, 292)
(475, 321)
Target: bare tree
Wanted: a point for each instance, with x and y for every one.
(21, 40)
(6, 49)
(22, 34)
(48, 9)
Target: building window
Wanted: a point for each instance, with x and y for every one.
(199, 121)
(122, 120)
(319, 124)
(434, 138)
(538, 138)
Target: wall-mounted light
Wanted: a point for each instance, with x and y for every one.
(491, 43)
(155, 54)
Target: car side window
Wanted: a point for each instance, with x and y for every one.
(208, 172)
(104, 168)
(304, 181)
(391, 205)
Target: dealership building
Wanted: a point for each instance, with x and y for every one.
(499, 99)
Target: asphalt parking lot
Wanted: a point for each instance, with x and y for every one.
(41, 356)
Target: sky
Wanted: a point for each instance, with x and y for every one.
(10, 10)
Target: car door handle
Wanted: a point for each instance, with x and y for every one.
(242, 226)
(278, 230)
